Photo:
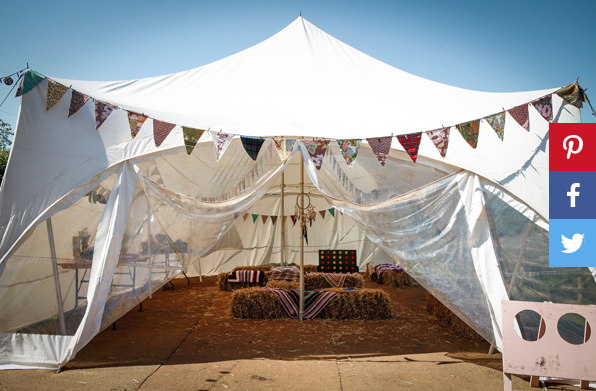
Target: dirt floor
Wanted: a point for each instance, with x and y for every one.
(187, 339)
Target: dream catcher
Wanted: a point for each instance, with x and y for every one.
(305, 215)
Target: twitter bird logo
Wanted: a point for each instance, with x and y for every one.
(572, 245)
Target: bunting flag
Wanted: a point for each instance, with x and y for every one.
(284, 148)
(289, 146)
(293, 217)
(380, 147)
(332, 211)
(349, 150)
(284, 219)
(469, 132)
(191, 138)
(273, 219)
(221, 141)
(245, 216)
(161, 130)
(316, 149)
(573, 94)
(254, 217)
(497, 122)
(322, 213)
(29, 81)
(264, 218)
(77, 100)
(135, 121)
(521, 116)
(313, 215)
(102, 112)
(411, 143)
(252, 145)
(440, 137)
(544, 106)
(55, 92)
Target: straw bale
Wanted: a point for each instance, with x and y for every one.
(446, 317)
(307, 268)
(361, 304)
(391, 278)
(222, 282)
(280, 284)
(316, 281)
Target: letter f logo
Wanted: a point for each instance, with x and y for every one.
(572, 194)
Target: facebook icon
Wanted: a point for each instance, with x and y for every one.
(572, 194)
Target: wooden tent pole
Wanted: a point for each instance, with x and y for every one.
(302, 241)
(283, 226)
(61, 320)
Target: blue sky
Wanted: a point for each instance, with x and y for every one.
(501, 46)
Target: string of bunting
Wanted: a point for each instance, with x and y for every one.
(572, 94)
(294, 218)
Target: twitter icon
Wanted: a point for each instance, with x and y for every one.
(572, 245)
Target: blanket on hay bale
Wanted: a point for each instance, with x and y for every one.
(357, 304)
(388, 274)
(307, 268)
(313, 281)
(446, 317)
(224, 285)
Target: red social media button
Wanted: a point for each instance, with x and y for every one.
(572, 147)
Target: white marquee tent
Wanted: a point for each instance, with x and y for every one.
(92, 220)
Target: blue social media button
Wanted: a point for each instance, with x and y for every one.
(572, 195)
(572, 243)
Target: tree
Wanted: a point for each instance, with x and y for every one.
(5, 143)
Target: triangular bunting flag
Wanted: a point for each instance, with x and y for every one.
(55, 92)
(380, 147)
(322, 213)
(252, 145)
(221, 141)
(293, 217)
(521, 116)
(411, 143)
(161, 129)
(573, 94)
(102, 112)
(264, 218)
(440, 137)
(349, 150)
(497, 122)
(254, 217)
(284, 148)
(284, 219)
(313, 215)
(191, 137)
(135, 121)
(29, 81)
(544, 106)
(245, 216)
(332, 211)
(77, 100)
(469, 132)
(273, 219)
(316, 149)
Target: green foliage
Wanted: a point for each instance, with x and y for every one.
(5, 143)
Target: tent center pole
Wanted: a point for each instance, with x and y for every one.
(56, 276)
(283, 237)
(302, 242)
(150, 254)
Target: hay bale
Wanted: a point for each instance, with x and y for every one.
(316, 281)
(277, 284)
(360, 304)
(391, 278)
(446, 317)
(307, 268)
(222, 282)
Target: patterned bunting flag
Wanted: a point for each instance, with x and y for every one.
(497, 122)
(411, 143)
(254, 217)
(521, 116)
(380, 147)
(440, 137)
(573, 94)
(55, 92)
(135, 121)
(544, 106)
(29, 81)
(161, 130)
(316, 149)
(102, 112)
(191, 137)
(77, 100)
(245, 216)
(221, 141)
(264, 218)
(273, 219)
(284, 148)
(332, 211)
(252, 145)
(322, 213)
(469, 132)
(349, 150)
